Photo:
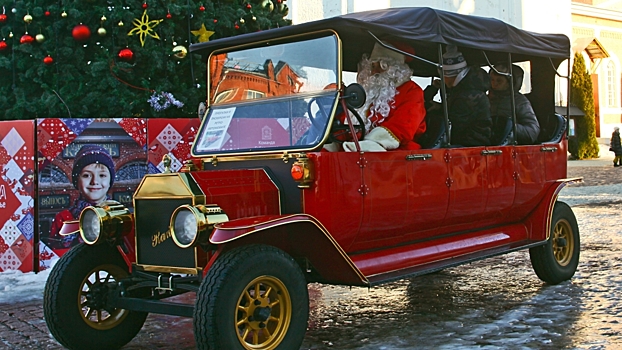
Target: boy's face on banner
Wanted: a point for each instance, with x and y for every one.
(94, 183)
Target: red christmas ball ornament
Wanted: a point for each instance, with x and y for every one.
(169, 16)
(215, 20)
(3, 17)
(3, 45)
(236, 26)
(145, 5)
(47, 13)
(48, 60)
(126, 55)
(81, 32)
(26, 39)
(248, 6)
(201, 8)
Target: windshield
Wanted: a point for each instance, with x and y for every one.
(273, 70)
(271, 98)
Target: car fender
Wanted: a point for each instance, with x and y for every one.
(300, 235)
(539, 221)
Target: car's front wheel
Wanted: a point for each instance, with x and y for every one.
(557, 260)
(75, 300)
(253, 297)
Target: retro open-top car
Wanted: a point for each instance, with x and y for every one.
(261, 210)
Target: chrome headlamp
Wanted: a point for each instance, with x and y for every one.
(105, 222)
(190, 225)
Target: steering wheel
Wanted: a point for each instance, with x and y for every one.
(339, 132)
(318, 124)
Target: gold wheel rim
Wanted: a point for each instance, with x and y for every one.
(263, 313)
(92, 295)
(563, 233)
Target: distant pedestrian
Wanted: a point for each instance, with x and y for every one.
(616, 147)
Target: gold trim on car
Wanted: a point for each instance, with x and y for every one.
(168, 269)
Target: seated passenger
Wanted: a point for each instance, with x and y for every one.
(394, 109)
(467, 104)
(527, 126)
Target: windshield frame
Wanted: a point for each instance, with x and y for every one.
(311, 94)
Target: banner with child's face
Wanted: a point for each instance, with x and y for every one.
(84, 162)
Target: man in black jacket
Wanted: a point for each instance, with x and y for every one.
(467, 104)
(527, 125)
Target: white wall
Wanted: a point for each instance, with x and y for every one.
(544, 16)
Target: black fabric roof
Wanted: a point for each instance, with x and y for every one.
(423, 28)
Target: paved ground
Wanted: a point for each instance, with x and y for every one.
(22, 325)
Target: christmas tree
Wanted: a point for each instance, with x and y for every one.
(111, 59)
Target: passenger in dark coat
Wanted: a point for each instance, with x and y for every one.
(467, 104)
(527, 125)
(616, 147)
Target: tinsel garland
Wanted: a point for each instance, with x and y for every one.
(163, 100)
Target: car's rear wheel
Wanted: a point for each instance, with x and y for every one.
(253, 297)
(557, 260)
(75, 300)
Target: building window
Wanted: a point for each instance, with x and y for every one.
(225, 96)
(611, 84)
(52, 174)
(252, 94)
(132, 171)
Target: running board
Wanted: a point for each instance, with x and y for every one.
(391, 276)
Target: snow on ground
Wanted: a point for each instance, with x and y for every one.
(16, 286)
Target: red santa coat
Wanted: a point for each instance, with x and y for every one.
(406, 120)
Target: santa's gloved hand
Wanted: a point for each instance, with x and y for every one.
(366, 146)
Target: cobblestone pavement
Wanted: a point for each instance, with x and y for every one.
(22, 325)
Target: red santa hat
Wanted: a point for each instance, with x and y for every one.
(380, 51)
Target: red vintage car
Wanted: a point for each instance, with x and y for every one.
(261, 210)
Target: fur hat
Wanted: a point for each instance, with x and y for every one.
(380, 51)
(453, 61)
(89, 154)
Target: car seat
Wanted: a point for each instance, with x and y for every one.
(555, 130)
(434, 132)
(502, 132)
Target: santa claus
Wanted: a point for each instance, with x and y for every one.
(394, 110)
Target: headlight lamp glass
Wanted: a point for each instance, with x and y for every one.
(90, 226)
(185, 227)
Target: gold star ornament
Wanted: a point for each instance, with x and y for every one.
(202, 33)
(144, 27)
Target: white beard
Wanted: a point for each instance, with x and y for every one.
(381, 88)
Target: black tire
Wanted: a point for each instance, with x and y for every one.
(225, 296)
(557, 260)
(73, 308)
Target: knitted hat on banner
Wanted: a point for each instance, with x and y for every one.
(89, 154)
(453, 61)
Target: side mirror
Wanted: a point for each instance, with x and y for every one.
(354, 95)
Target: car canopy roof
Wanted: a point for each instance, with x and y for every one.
(423, 28)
